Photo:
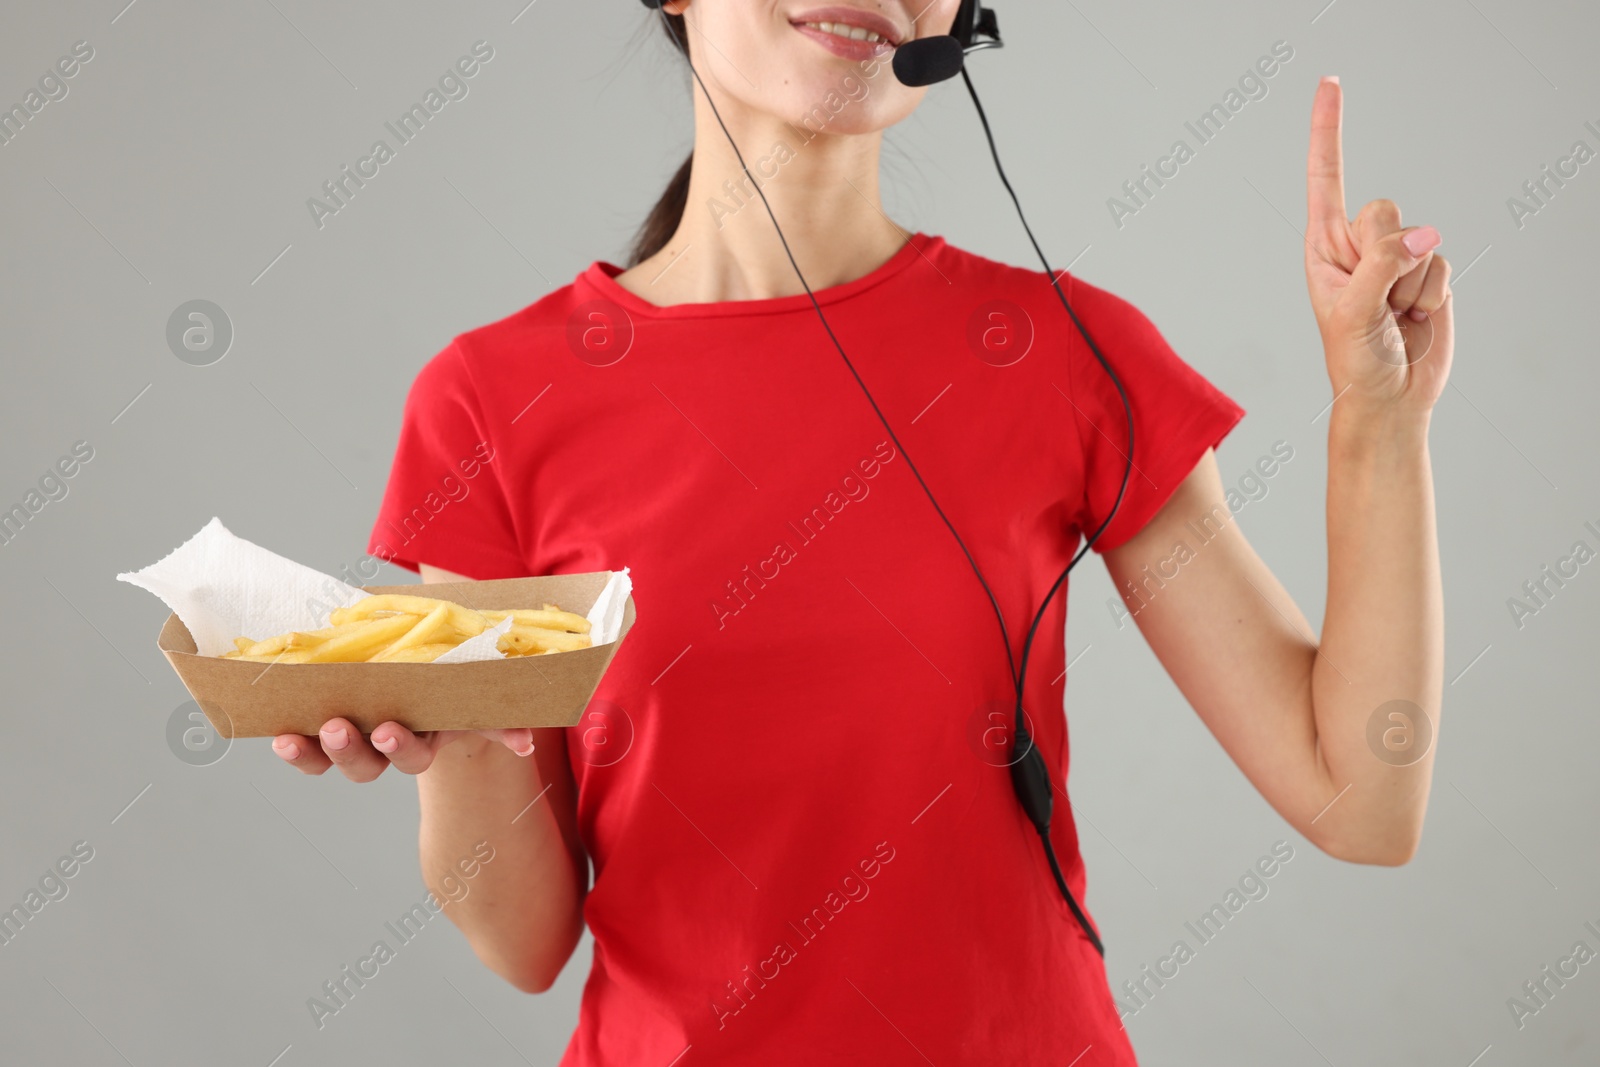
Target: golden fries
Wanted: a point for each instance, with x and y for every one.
(394, 628)
(523, 640)
(548, 619)
(468, 622)
(268, 647)
(426, 631)
(361, 643)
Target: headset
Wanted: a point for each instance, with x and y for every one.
(927, 61)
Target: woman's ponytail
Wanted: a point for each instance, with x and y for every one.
(663, 220)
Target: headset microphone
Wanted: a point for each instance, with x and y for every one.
(927, 61)
(930, 60)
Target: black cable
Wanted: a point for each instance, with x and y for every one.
(1072, 901)
(1029, 774)
(1122, 393)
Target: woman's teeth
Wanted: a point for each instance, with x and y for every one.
(839, 29)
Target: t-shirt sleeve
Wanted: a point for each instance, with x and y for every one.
(1177, 415)
(445, 503)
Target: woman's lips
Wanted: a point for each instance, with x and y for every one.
(845, 47)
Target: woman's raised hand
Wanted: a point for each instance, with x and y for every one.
(1380, 293)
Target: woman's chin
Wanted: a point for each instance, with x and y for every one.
(852, 120)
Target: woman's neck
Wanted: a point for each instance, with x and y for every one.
(824, 192)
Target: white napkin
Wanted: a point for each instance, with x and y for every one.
(221, 587)
(605, 618)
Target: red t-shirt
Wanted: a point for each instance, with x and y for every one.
(805, 849)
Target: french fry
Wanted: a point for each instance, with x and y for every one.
(414, 654)
(426, 631)
(557, 639)
(361, 642)
(523, 640)
(271, 646)
(531, 652)
(242, 644)
(369, 606)
(312, 638)
(468, 622)
(547, 619)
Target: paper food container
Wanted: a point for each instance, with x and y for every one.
(245, 699)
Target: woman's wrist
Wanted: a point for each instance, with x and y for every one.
(469, 775)
(464, 749)
(1376, 430)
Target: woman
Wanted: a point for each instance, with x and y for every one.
(804, 850)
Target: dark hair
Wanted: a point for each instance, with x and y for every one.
(662, 222)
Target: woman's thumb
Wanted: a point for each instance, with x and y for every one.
(1387, 261)
(519, 741)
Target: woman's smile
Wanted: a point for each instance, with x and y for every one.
(849, 32)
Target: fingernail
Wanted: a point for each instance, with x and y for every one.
(1334, 78)
(336, 739)
(1417, 314)
(287, 749)
(1420, 240)
(527, 752)
(388, 744)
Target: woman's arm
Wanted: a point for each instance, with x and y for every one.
(523, 913)
(1291, 711)
(1295, 712)
(522, 908)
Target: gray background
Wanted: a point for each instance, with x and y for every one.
(178, 168)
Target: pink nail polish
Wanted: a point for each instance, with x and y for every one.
(387, 745)
(288, 750)
(1421, 240)
(336, 739)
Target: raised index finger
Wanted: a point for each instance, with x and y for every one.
(1325, 161)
